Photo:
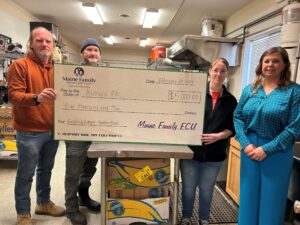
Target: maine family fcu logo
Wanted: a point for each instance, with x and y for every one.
(79, 71)
(79, 76)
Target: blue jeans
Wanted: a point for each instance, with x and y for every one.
(36, 150)
(203, 175)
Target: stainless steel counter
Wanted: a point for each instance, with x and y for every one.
(120, 150)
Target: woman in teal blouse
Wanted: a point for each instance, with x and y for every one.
(267, 123)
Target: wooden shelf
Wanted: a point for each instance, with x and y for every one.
(11, 157)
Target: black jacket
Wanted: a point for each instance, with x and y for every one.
(216, 120)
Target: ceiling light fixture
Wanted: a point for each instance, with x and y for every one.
(143, 42)
(108, 39)
(92, 12)
(150, 18)
(124, 15)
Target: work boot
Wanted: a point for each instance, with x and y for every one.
(186, 221)
(49, 209)
(203, 222)
(24, 219)
(77, 218)
(85, 200)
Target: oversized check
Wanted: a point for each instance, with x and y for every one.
(128, 105)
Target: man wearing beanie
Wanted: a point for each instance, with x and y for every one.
(79, 168)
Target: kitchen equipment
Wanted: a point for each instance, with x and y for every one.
(211, 27)
(290, 29)
(158, 52)
(201, 51)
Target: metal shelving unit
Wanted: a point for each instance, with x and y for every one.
(10, 56)
(158, 64)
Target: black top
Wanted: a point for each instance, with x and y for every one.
(215, 121)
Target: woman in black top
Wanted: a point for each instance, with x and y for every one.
(203, 169)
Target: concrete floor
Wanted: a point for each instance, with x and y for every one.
(7, 180)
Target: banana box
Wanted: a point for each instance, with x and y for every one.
(7, 137)
(8, 145)
(140, 192)
(147, 211)
(140, 178)
(8, 148)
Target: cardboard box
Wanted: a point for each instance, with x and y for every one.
(6, 127)
(7, 137)
(6, 123)
(5, 112)
(148, 211)
(140, 192)
(8, 145)
(139, 179)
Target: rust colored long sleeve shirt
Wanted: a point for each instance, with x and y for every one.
(26, 77)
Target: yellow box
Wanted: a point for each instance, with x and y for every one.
(8, 145)
(138, 179)
(127, 211)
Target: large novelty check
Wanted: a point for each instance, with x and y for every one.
(128, 105)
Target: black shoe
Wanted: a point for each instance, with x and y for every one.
(77, 218)
(89, 203)
(85, 200)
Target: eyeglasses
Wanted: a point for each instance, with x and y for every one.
(221, 71)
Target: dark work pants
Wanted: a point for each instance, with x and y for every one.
(79, 171)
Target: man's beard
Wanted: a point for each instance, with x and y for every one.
(44, 56)
(92, 60)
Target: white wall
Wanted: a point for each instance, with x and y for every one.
(15, 24)
(249, 13)
(126, 58)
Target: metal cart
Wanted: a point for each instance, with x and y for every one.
(121, 150)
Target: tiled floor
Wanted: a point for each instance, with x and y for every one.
(7, 180)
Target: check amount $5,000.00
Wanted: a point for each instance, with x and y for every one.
(184, 96)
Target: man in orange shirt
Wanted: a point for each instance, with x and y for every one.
(30, 90)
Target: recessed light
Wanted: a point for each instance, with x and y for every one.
(127, 38)
(108, 39)
(143, 41)
(124, 15)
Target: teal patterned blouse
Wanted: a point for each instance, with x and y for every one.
(275, 116)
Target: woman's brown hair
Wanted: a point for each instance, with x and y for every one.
(285, 77)
(223, 60)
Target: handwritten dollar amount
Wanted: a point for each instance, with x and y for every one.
(184, 96)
